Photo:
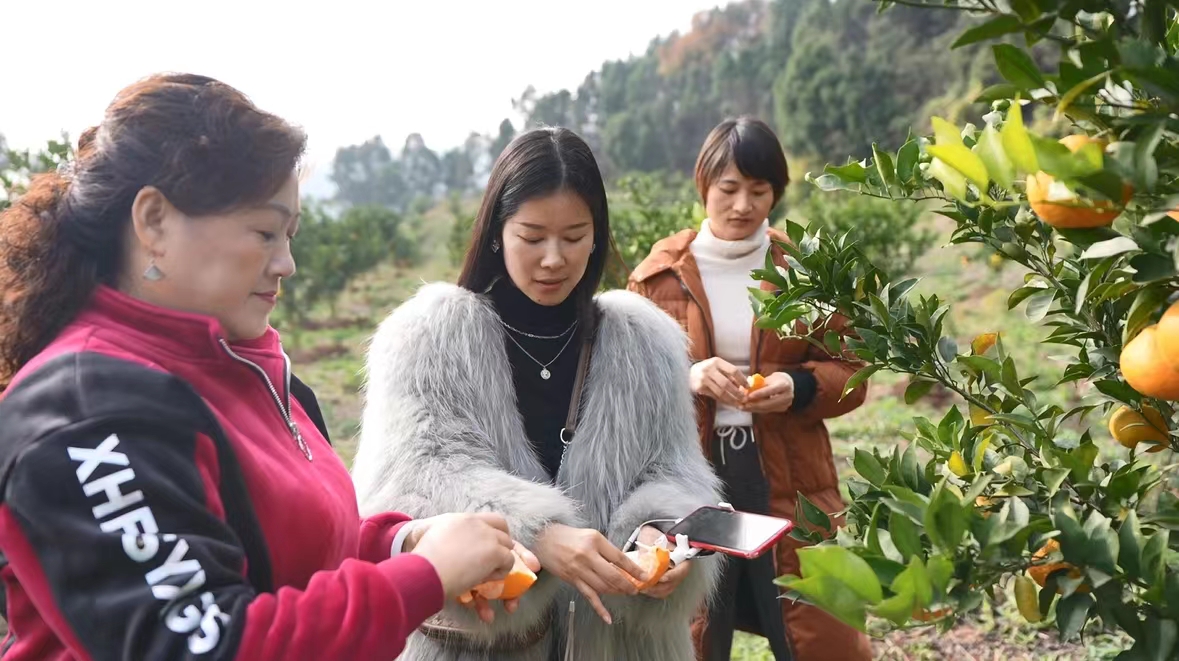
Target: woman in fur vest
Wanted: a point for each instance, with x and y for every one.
(474, 403)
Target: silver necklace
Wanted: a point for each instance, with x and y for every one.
(544, 367)
(539, 337)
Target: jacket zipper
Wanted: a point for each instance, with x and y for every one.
(284, 410)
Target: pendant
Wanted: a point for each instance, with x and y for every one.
(545, 374)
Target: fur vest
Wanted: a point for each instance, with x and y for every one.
(441, 432)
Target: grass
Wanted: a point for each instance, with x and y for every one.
(331, 359)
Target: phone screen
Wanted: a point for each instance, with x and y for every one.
(739, 531)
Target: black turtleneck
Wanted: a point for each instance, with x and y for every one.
(544, 404)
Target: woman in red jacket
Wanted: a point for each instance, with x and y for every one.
(168, 490)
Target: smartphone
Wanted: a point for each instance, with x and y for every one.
(730, 532)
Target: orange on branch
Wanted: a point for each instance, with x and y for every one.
(1059, 206)
(1129, 427)
(1145, 368)
(1167, 336)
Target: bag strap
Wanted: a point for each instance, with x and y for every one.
(587, 345)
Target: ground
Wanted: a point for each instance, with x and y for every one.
(330, 357)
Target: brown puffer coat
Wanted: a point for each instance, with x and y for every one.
(795, 448)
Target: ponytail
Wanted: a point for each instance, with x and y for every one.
(44, 278)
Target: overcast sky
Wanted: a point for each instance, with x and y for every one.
(345, 70)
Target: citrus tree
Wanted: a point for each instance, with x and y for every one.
(1006, 489)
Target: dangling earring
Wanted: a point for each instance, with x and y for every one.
(495, 245)
(153, 272)
(593, 247)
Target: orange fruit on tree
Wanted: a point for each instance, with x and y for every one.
(1059, 206)
(1041, 572)
(513, 586)
(653, 560)
(1167, 336)
(1129, 427)
(1145, 368)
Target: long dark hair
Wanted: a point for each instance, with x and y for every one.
(202, 143)
(537, 164)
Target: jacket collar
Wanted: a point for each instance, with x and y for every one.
(674, 254)
(177, 333)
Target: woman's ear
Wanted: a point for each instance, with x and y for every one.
(148, 213)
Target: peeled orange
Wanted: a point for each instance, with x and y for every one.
(755, 382)
(517, 582)
(1040, 573)
(653, 560)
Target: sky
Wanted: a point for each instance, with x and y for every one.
(345, 70)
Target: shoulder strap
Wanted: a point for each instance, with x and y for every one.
(578, 385)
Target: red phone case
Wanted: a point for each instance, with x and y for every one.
(756, 553)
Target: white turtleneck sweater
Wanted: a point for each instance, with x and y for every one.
(725, 268)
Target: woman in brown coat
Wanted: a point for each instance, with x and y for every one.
(769, 444)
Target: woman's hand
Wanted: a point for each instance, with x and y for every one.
(585, 559)
(483, 608)
(775, 396)
(719, 380)
(465, 549)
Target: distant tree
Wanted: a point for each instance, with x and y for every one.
(507, 133)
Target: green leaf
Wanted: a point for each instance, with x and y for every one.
(897, 608)
(945, 520)
(1039, 304)
(1017, 67)
(1141, 311)
(1053, 478)
(996, 27)
(1071, 614)
(807, 510)
(1109, 248)
(945, 133)
(963, 160)
(843, 565)
(833, 596)
(953, 181)
(1000, 92)
(907, 159)
(904, 534)
(917, 389)
(852, 172)
(869, 467)
(832, 343)
(1130, 548)
(1023, 293)
(1161, 636)
(1017, 144)
(860, 377)
(910, 470)
(884, 166)
(990, 149)
(1146, 171)
(1152, 268)
(947, 348)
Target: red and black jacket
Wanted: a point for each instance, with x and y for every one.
(158, 502)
